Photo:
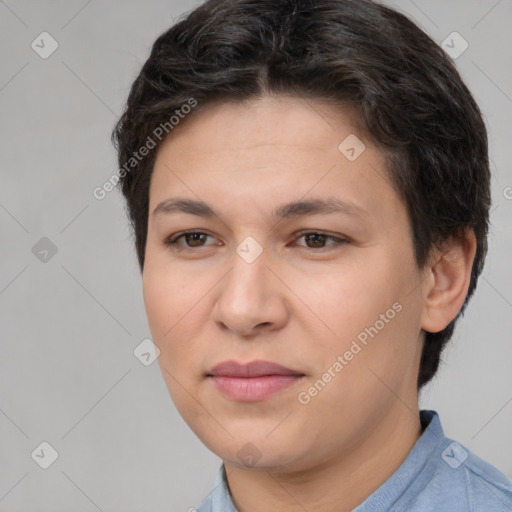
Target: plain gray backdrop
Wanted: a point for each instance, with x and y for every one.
(71, 309)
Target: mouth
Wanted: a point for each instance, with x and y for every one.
(252, 382)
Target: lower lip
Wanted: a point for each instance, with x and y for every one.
(253, 389)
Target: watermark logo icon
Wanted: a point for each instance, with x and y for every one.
(146, 352)
(249, 249)
(351, 147)
(454, 455)
(454, 45)
(44, 45)
(249, 455)
(44, 250)
(44, 455)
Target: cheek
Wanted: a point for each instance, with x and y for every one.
(166, 302)
(351, 299)
(369, 310)
(174, 302)
(158, 301)
(171, 298)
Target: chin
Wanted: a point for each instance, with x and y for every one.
(256, 452)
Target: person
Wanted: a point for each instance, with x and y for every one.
(308, 188)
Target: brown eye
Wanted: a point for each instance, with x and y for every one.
(317, 240)
(195, 239)
(192, 239)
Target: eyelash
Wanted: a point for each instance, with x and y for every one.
(173, 240)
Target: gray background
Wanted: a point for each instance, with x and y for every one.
(68, 375)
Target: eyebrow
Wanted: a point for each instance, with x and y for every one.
(285, 211)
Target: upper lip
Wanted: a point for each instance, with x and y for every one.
(251, 369)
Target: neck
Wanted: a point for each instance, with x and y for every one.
(339, 484)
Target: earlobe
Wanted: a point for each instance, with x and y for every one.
(447, 282)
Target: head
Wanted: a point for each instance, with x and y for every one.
(250, 106)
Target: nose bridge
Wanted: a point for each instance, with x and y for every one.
(247, 279)
(247, 296)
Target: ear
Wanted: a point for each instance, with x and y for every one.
(447, 281)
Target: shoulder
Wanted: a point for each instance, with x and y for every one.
(487, 488)
(442, 475)
(462, 481)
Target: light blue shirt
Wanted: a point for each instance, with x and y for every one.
(438, 475)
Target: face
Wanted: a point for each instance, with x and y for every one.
(301, 256)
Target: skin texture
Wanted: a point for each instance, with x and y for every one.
(301, 303)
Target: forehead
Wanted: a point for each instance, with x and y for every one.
(272, 120)
(273, 148)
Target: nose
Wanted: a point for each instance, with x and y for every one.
(250, 298)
